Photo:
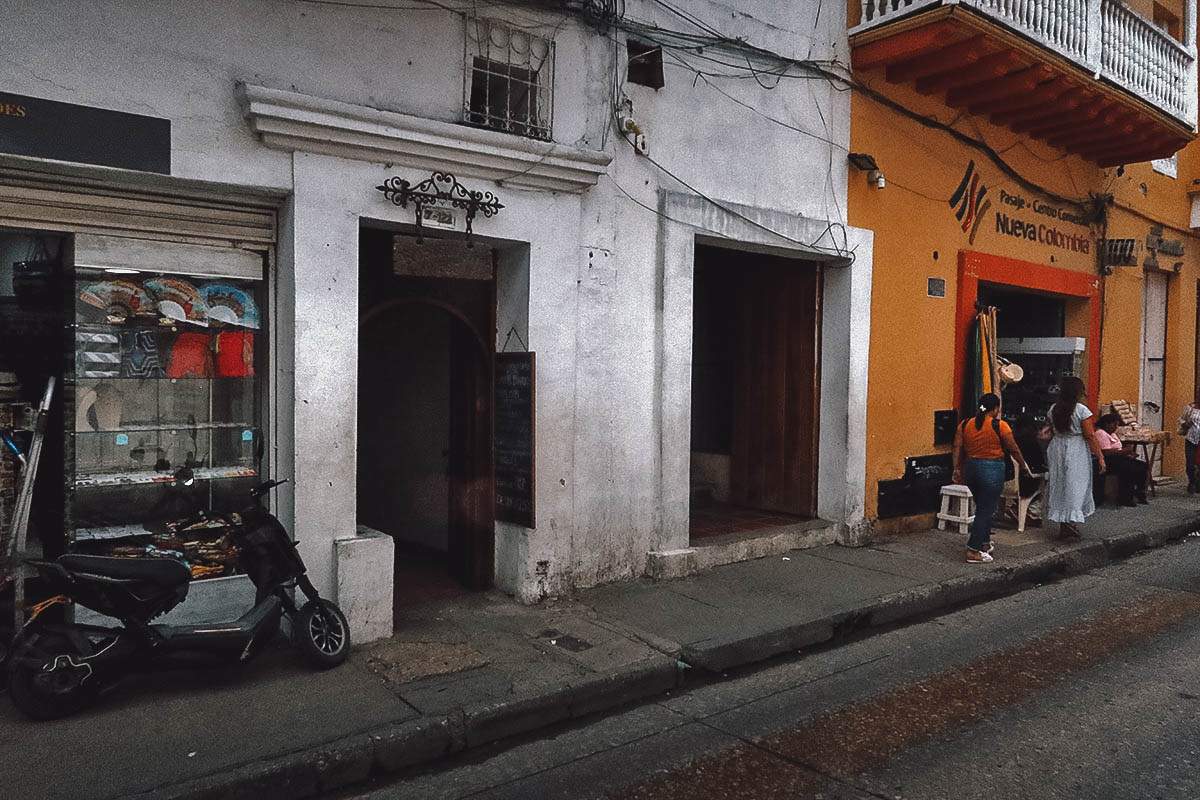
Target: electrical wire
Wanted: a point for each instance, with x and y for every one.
(828, 228)
(691, 19)
(604, 14)
(977, 144)
(835, 250)
(849, 83)
(893, 182)
(1153, 221)
(426, 5)
(530, 24)
(754, 110)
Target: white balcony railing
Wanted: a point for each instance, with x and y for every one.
(1105, 37)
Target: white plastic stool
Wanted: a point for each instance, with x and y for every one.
(964, 510)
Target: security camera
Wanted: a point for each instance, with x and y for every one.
(875, 176)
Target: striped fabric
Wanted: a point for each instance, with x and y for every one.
(97, 355)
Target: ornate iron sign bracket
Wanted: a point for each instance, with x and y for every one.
(440, 188)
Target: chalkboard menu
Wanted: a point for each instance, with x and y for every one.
(514, 438)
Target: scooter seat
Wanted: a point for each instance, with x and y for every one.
(160, 571)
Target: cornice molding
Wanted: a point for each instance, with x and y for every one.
(299, 122)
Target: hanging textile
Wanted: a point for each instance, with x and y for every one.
(984, 364)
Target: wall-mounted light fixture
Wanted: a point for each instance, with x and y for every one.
(866, 163)
(862, 161)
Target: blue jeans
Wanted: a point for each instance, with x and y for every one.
(985, 478)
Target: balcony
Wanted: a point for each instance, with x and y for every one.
(1090, 77)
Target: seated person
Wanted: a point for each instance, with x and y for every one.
(1025, 432)
(1131, 473)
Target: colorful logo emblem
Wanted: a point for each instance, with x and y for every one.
(970, 197)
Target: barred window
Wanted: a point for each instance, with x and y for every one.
(1119, 252)
(509, 79)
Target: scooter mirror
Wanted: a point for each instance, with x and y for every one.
(184, 476)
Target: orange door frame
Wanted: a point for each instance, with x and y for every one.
(974, 267)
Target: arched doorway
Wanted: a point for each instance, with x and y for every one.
(425, 449)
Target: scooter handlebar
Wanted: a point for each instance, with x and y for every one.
(263, 488)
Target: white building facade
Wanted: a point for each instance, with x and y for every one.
(631, 216)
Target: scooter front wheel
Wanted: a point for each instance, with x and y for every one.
(322, 633)
(48, 678)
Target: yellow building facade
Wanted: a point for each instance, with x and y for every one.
(1092, 264)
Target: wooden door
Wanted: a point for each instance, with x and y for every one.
(773, 464)
(471, 514)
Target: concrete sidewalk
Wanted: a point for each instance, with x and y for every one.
(481, 668)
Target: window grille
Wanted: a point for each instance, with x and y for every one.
(509, 79)
(1119, 253)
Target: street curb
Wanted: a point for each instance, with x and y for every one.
(1123, 545)
(721, 654)
(390, 748)
(1071, 559)
(396, 746)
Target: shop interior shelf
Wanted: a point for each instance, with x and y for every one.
(150, 323)
(179, 426)
(126, 478)
(109, 532)
(106, 379)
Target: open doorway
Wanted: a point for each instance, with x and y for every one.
(1155, 296)
(425, 443)
(1042, 311)
(1046, 334)
(755, 390)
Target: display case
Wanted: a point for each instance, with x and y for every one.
(164, 374)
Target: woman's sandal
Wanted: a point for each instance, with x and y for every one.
(1068, 532)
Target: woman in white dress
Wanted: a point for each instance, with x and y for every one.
(1069, 480)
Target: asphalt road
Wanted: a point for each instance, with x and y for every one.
(1087, 688)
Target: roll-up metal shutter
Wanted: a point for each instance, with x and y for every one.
(133, 205)
(198, 260)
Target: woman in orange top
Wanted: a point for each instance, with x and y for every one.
(980, 445)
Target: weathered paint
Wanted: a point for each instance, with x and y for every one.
(598, 282)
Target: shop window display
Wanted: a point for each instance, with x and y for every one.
(165, 377)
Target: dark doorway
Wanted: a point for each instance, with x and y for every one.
(755, 389)
(1023, 313)
(425, 473)
(1029, 325)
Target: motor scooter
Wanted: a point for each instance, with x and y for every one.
(56, 669)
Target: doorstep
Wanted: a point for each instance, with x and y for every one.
(731, 548)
